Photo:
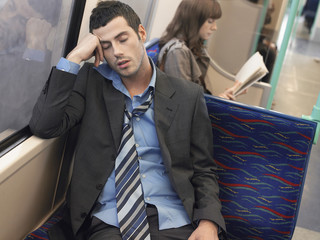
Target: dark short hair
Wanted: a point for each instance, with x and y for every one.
(108, 10)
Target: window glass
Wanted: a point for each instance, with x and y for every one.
(32, 38)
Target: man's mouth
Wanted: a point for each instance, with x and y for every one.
(123, 63)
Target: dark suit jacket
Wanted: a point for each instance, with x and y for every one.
(182, 125)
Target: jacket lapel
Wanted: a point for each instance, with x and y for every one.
(114, 103)
(165, 109)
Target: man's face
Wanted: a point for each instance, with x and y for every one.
(122, 48)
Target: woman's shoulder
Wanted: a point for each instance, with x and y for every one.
(176, 43)
(174, 46)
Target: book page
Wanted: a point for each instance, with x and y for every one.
(253, 70)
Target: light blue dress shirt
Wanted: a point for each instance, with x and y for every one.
(154, 177)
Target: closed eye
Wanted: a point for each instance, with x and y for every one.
(123, 40)
(105, 46)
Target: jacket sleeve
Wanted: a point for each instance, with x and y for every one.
(204, 180)
(60, 105)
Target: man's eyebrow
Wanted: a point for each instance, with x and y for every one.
(119, 35)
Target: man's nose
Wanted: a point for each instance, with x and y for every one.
(117, 50)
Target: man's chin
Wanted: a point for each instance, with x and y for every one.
(126, 73)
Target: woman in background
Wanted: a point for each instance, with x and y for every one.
(182, 53)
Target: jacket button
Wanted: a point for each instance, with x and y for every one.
(83, 215)
(99, 186)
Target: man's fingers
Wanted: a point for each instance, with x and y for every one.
(100, 52)
(97, 58)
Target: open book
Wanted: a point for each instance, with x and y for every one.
(253, 70)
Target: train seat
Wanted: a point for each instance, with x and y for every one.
(262, 157)
(152, 48)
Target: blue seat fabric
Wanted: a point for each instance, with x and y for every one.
(153, 50)
(262, 157)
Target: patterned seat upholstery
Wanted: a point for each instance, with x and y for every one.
(41, 233)
(152, 48)
(262, 157)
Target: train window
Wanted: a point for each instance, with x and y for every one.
(33, 36)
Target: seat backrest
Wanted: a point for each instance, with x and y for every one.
(262, 157)
(152, 48)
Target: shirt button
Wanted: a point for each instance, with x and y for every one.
(139, 158)
(144, 176)
(138, 119)
(148, 199)
(137, 145)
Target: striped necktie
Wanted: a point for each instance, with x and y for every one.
(131, 208)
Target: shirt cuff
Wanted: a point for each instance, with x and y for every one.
(68, 66)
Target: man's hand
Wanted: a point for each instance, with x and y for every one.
(206, 230)
(88, 47)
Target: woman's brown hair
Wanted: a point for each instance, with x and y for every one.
(187, 21)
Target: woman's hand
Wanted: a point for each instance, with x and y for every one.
(229, 93)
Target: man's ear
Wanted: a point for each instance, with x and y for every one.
(142, 33)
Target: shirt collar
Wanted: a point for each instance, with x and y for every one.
(106, 71)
